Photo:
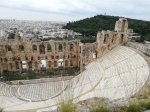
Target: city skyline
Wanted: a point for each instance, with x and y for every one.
(65, 10)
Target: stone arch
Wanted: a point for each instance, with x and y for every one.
(43, 65)
(94, 54)
(49, 48)
(21, 47)
(42, 49)
(60, 47)
(9, 48)
(60, 62)
(34, 47)
(71, 47)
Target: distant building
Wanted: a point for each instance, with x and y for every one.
(132, 34)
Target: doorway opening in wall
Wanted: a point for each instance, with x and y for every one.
(105, 39)
(94, 55)
(24, 66)
(121, 40)
(42, 49)
(61, 67)
(60, 63)
(43, 65)
(113, 39)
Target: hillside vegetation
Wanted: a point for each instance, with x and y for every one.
(90, 26)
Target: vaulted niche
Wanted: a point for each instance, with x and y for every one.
(21, 47)
(49, 47)
(61, 63)
(43, 65)
(42, 49)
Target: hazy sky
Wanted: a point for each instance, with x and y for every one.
(72, 10)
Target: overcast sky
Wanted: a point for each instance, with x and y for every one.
(72, 10)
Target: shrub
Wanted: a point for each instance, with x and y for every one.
(147, 105)
(100, 109)
(135, 107)
(118, 110)
(67, 107)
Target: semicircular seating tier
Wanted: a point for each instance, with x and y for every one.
(41, 91)
(118, 74)
(7, 90)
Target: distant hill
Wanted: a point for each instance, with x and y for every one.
(90, 26)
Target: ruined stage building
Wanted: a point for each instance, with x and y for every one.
(23, 54)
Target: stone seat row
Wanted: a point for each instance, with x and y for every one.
(6, 90)
(42, 91)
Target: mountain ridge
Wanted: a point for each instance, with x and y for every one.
(90, 26)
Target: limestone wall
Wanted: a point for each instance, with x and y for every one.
(107, 40)
(16, 53)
